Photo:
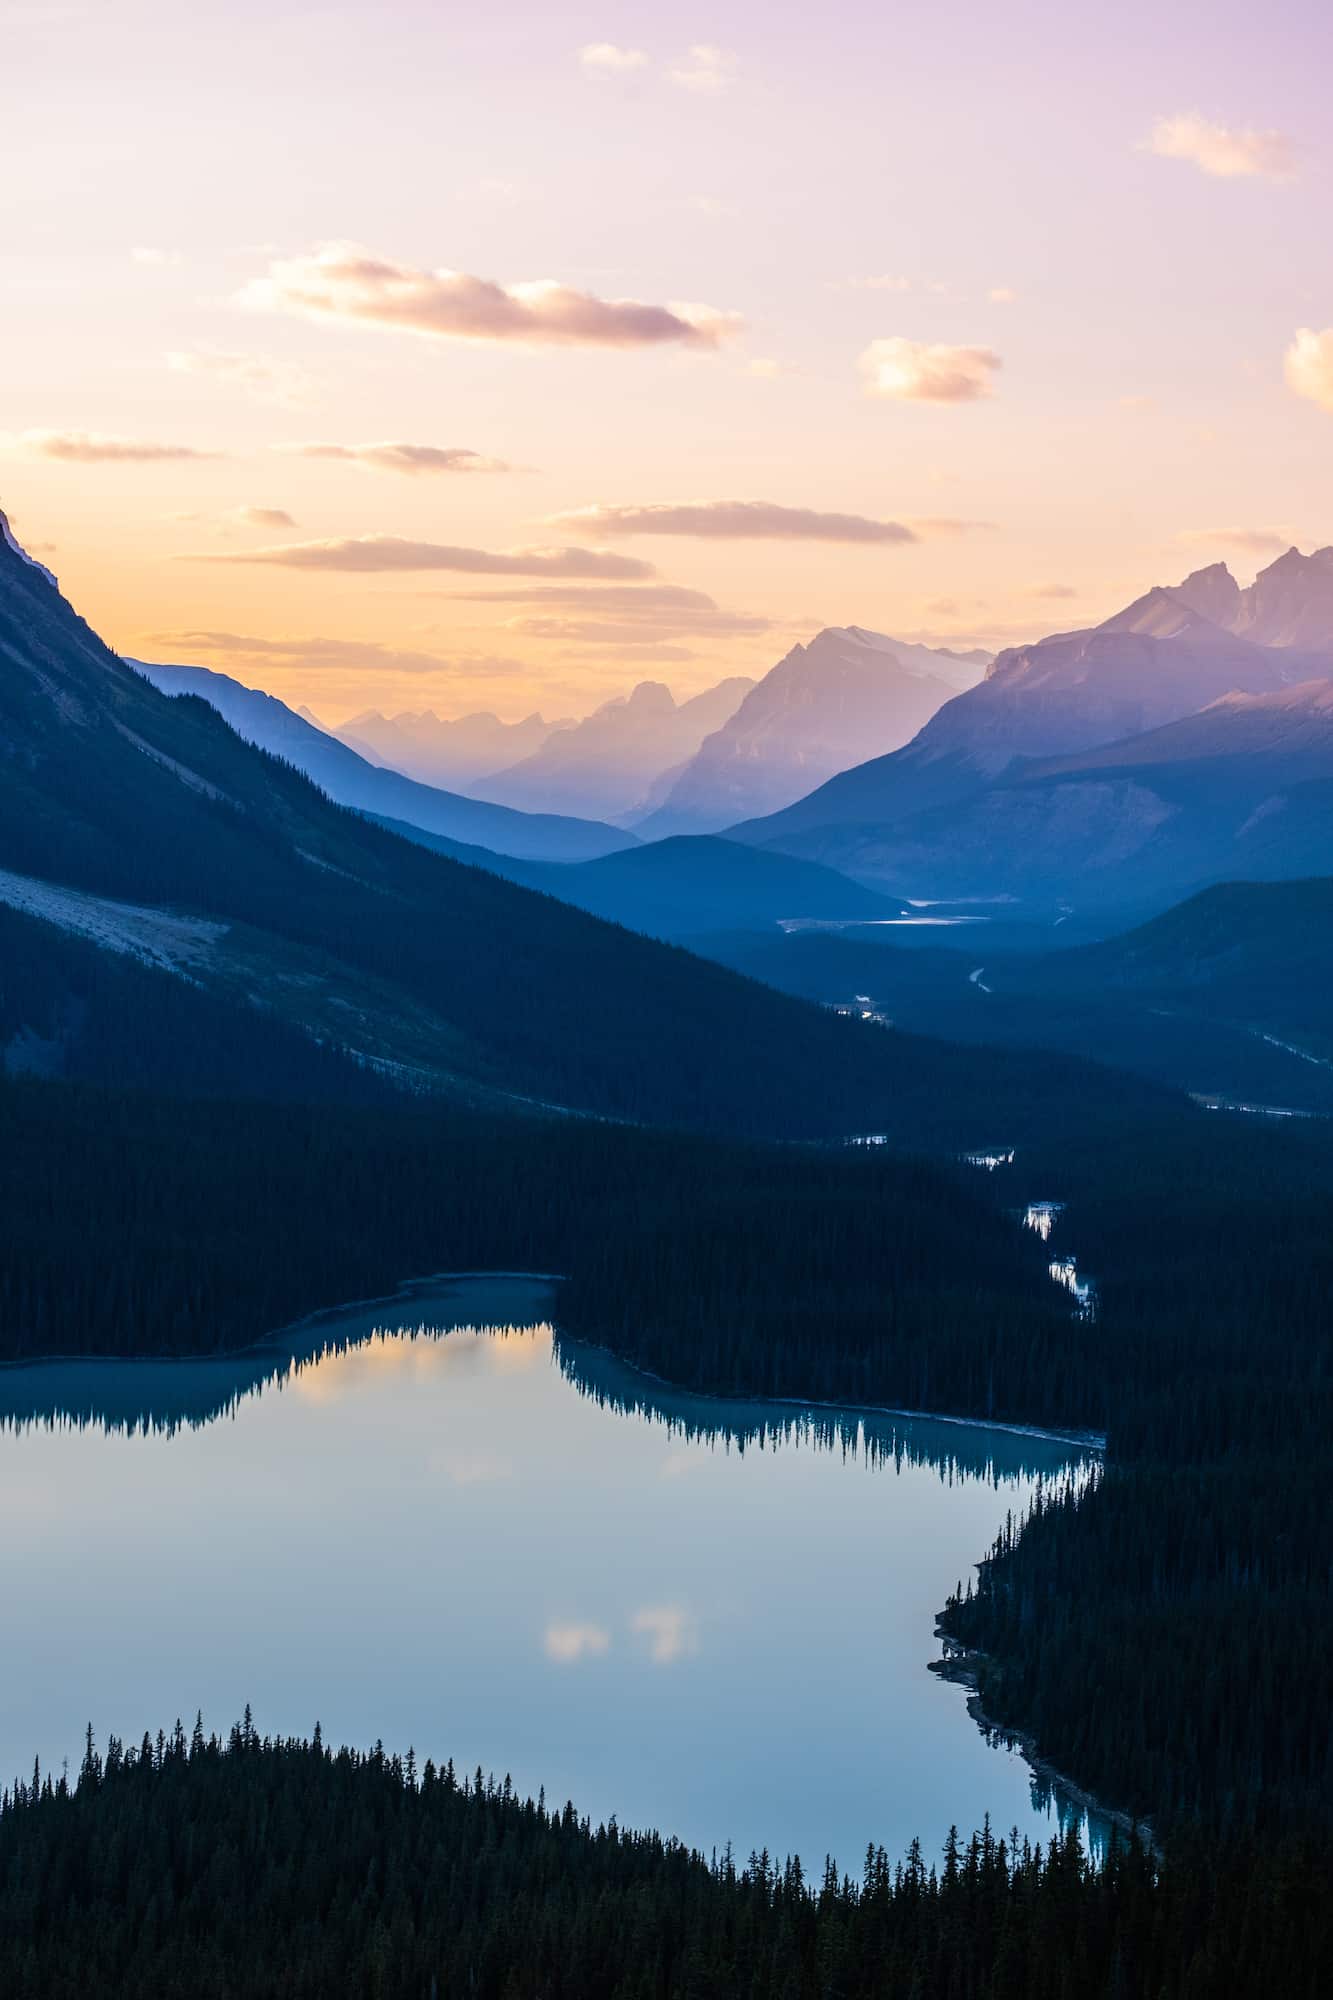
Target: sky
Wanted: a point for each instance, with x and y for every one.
(420, 355)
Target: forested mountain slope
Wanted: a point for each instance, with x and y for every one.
(350, 779)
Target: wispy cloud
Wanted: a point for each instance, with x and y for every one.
(1053, 590)
(607, 59)
(670, 1630)
(731, 520)
(1223, 150)
(707, 70)
(330, 655)
(258, 375)
(635, 599)
(1002, 295)
(263, 517)
(609, 632)
(951, 524)
(368, 554)
(617, 614)
(1308, 366)
(1252, 541)
(920, 371)
(98, 448)
(344, 282)
(409, 458)
(567, 1642)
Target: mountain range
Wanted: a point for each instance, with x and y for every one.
(448, 752)
(821, 708)
(142, 826)
(618, 758)
(1049, 777)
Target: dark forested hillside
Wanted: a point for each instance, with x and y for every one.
(203, 1225)
(253, 1869)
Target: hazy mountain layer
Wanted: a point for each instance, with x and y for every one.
(347, 777)
(820, 709)
(608, 764)
(437, 750)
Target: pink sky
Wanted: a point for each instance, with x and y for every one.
(1030, 302)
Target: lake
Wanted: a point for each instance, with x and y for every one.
(489, 1543)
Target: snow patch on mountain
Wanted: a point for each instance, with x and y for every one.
(173, 944)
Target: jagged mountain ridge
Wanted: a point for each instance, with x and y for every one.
(1157, 661)
(818, 710)
(447, 751)
(607, 764)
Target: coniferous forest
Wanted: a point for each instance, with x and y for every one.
(254, 1867)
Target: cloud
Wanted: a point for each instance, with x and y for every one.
(618, 615)
(641, 649)
(919, 371)
(633, 599)
(567, 1643)
(599, 632)
(344, 282)
(263, 517)
(370, 554)
(1053, 590)
(1137, 402)
(96, 448)
(707, 70)
(1308, 366)
(333, 655)
(669, 1629)
(731, 520)
(1221, 151)
(1254, 541)
(410, 458)
(604, 59)
(951, 524)
(1002, 295)
(258, 375)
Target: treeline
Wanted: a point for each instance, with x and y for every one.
(257, 1868)
(134, 1224)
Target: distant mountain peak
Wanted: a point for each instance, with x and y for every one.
(652, 695)
(1213, 592)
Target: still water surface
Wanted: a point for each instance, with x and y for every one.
(494, 1545)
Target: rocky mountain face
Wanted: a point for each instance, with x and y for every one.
(448, 751)
(1163, 658)
(610, 763)
(820, 709)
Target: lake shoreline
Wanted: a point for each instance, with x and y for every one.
(1079, 1440)
(411, 1288)
(962, 1666)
